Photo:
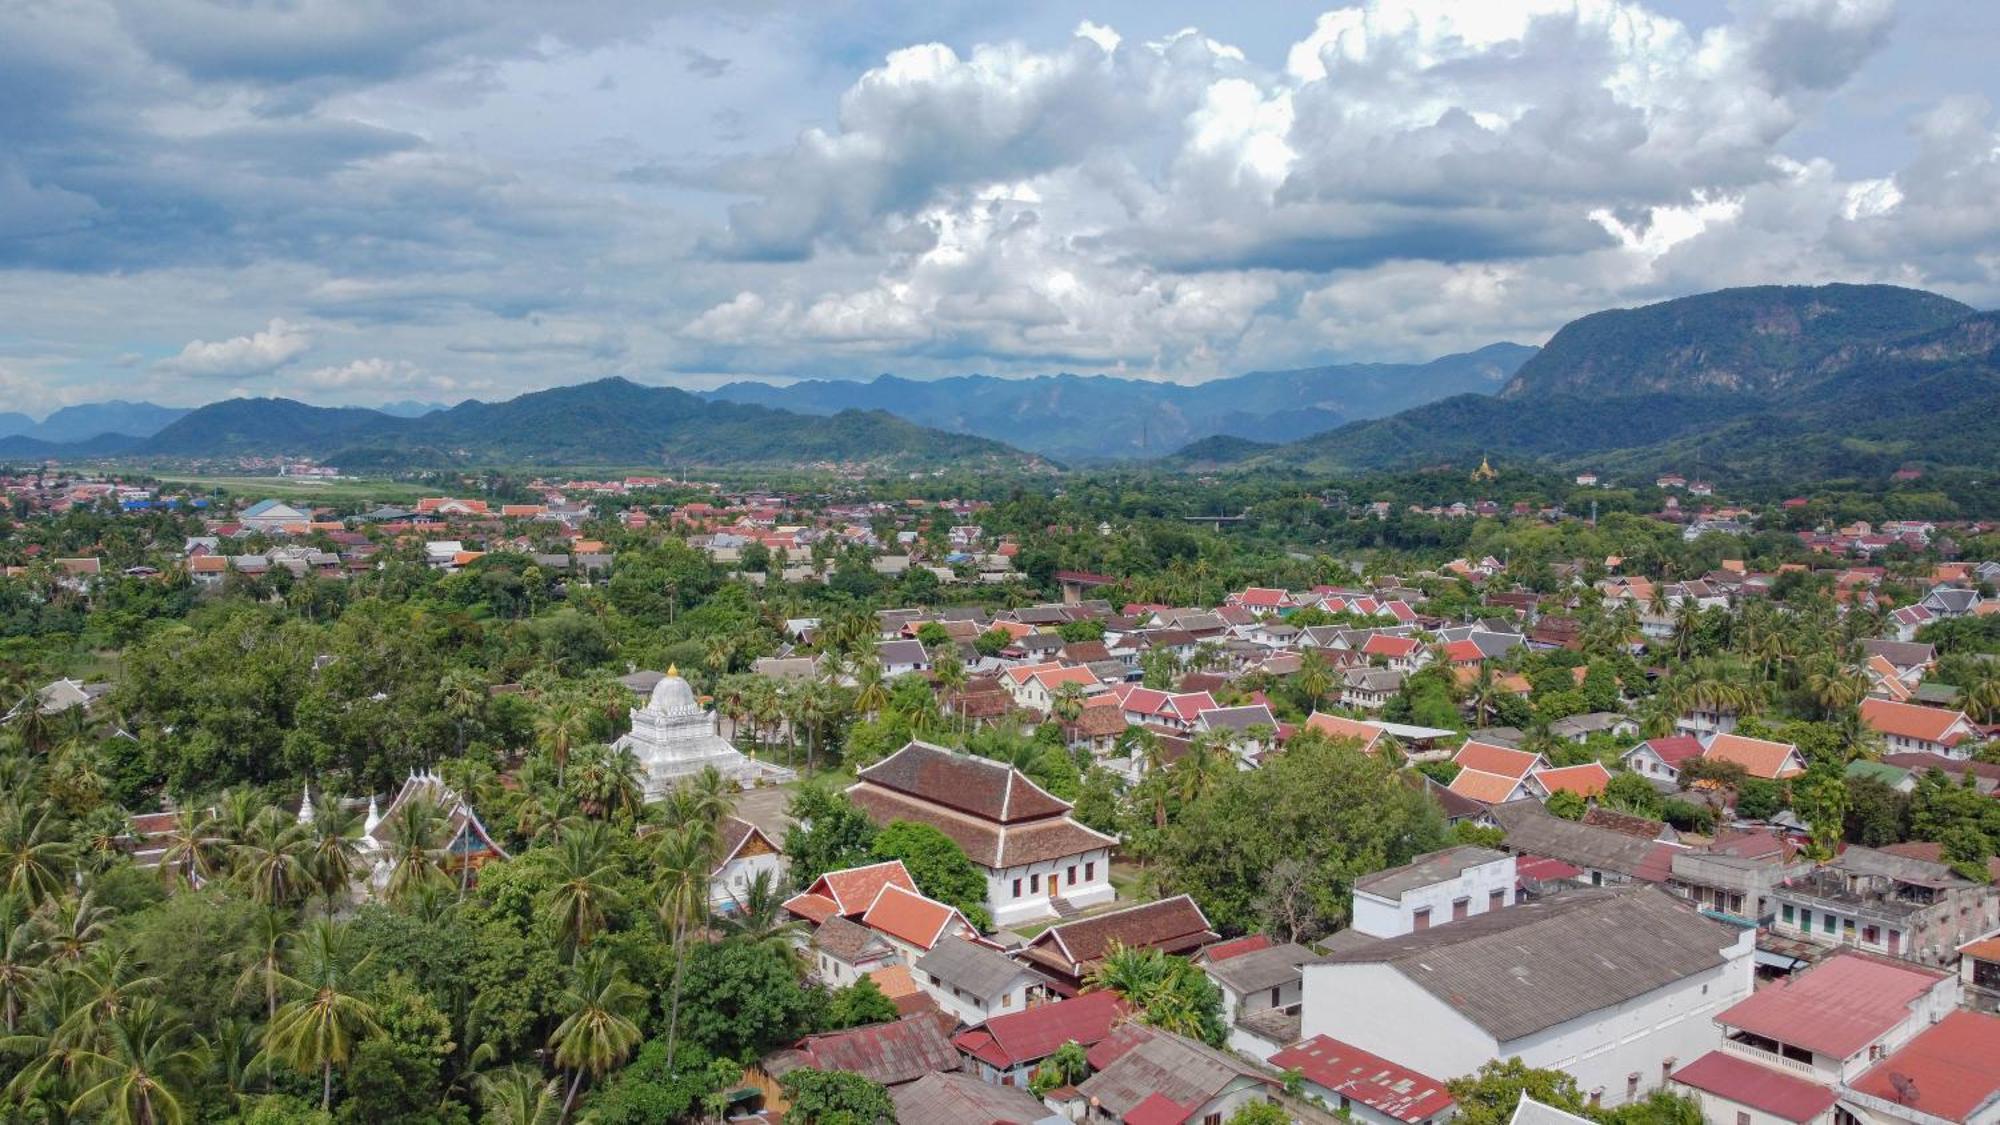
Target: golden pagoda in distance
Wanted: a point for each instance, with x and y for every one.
(1485, 471)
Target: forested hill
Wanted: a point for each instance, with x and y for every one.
(611, 421)
(1097, 416)
(1808, 382)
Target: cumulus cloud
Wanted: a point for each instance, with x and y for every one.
(238, 357)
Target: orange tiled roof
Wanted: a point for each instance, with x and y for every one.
(1488, 758)
(1586, 780)
(908, 915)
(1758, 757)
(1486, 788)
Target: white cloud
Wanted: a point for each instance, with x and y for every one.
(259, 353)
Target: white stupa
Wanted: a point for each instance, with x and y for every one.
(674, 739)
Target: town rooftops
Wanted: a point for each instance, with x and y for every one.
(1912, 721)
(962, 1099)
(1784, 1096)
(1531, 828)
(1006, 1041)
(1759, 757)
(1426, 870)
(1336, 726)
(911, 917)
(1674, 750)
(1138, 1064)
(1586, 780)
(1951, 1070)
(1503, 760)
(1518, 971)
(889, 1053)
(850, 941)
(979, 969)
(850, 892)
(1838, 1007)
(1261, 969)
(1171, 925)
(987, 789)
(1372, 1080)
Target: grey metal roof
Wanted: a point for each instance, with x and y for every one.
(983, 972)
(1265, 968)
(1532, 829)
(1188, 1072)
(1902, 654)
(956, 1099)
(1531, 1112)
(1426, 870)
(1238, 718)
(1593, 721)
(847, 939)
(1520, 970)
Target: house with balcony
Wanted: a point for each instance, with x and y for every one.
(1736, 874)
(1787, 1050)
(1881, 902)
(1433, 890)
(1262, 987)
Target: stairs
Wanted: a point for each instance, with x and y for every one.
(1064, 908)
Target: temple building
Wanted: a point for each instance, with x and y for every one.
(674, 738)
(1038, 862)
(467, 846)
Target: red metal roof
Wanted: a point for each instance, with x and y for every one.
(1035, 1033)
(1370, 1079)
(1837, 1007)
(1784, 1096)
(1950, 1071)
(1224, 950)
(1158, 1109)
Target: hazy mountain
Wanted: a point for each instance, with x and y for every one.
(1099, 416)
(1807, 381)
(410, 408)
(89, 419)
(611, 421)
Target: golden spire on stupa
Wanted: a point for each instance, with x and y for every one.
(1485, 471)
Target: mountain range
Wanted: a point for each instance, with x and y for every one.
(88, 420)
(1094, 417)
(607, 422)
(1775, 380)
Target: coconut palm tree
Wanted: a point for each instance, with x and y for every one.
(558, 727)
(144, 1062)
(1067, 704)
(578, 905)
(871, 691)
(757, 916)
(598, 1031)
(101, 988)
(33, 855)
(194, 848)
(415, 834)
(1200, 770)
(518, 1096)
(270, 862)
(20, 966)
(463, 693)
(684, 860)
(264, 961)
(319, 1028)
(1836, 689)
(67, 928)
(333, 852)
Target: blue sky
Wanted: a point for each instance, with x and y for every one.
(356, 201)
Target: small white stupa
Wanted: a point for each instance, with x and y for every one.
(674, 738)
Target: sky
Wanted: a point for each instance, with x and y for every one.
(360, 201)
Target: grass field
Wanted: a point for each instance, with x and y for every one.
(303, 488)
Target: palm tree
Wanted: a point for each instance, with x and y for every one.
(1067, 704)
(270, 862)
(1199, 771)
(719, 653)
(193, 846)
(871, 692)
(758, 916)
(318, 1030)
(1836, 689)
(333, 853)
(463, 693)
(1982, 695)
(1315, 677)
(20, 968)
(518, 1096)
(578, 905)
(711, 797)
(415, 833)
(67, 928)
(264, 967)
(598, 1032)
(684, 859)
(559, 725)
(952, 677)
(101, 988)
(145, 1058)
(33, 857)
(237, 812)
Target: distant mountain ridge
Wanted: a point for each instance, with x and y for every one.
(1771, 379)
(610, 421)
(1102, 417)
(91, 419)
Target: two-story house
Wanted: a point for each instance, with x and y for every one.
(1881, 902)
(1433, 890)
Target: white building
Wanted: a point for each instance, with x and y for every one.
(1038, 862)
(973, 982)
(746, 853)
(1433, 890)
(1612, 986)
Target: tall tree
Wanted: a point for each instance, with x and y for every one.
(599, 1029)
(318, 1029)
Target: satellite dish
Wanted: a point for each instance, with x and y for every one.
(1906, 1087)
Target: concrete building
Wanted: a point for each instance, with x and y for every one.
(1432, 890)
(1613, 987)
